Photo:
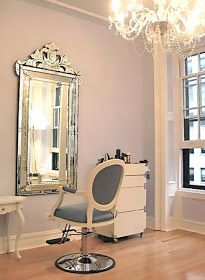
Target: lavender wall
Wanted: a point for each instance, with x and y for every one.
(115, 96)
(148, 127)
(193, 210)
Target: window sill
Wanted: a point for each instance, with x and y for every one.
(192, 194)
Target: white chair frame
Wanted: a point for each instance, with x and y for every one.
(92, 204)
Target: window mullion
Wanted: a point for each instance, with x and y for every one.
(198, 111)
(192, 75)
(192, 144)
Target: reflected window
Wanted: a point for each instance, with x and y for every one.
(202, 151)
(202, 174)
(191, 174)
(55, 161)
(56, 125)
(191, 151)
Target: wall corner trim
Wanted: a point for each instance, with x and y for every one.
(150, 222)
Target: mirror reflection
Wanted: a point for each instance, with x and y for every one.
(47, 122)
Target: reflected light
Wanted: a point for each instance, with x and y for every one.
(116, 5)
(38, 120)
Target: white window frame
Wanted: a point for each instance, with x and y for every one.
(179, 105)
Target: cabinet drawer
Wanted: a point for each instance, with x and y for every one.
(129, 223)
(135, 169)
(133, 181)
(7, 208)
(131, 199)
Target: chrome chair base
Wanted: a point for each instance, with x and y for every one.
(92, 263)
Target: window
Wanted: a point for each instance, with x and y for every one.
(193, 144)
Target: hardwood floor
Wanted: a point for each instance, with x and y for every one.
(176, 255)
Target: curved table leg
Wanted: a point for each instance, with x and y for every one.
(7, 232)
(20, 229)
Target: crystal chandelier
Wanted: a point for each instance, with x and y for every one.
(171, 26)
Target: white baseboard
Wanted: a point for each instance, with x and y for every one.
(171, 225)
(29, 240)
(188, 225)
(150, 222)
(38, 239)
(193, 226)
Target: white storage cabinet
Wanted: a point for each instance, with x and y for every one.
(131, 216)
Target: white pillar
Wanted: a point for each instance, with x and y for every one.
(160, 115)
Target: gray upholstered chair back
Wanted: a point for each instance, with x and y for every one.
(106, 183)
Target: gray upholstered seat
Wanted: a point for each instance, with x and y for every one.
(77, 213)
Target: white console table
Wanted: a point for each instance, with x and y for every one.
(10, 204)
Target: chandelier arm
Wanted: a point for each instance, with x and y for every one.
(182, 28)
(140, 23)
(136, 24)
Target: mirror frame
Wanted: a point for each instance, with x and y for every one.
(47, 64)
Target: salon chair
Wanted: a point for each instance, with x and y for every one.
(98, 210)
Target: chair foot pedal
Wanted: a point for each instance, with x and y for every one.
(57, 241)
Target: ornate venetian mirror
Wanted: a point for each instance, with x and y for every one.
(47, 122)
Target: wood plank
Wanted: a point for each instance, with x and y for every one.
(175, 255)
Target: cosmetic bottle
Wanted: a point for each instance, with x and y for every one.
(128, 157)
(118, 153)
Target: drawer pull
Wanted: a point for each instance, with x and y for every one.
(3, 209)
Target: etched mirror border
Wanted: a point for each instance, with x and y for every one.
(46, 62)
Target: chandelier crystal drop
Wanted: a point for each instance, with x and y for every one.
(170, 26)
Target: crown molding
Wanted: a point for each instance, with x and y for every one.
(76, 9)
